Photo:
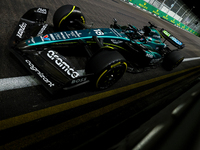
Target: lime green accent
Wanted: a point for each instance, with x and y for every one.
(83, 19)
(66, 16)
(160, 34)
(91, 42)
(125, 65)
(115, 46)
(114, 65)
(100, 78)
(166, 33)
(111, 45)
(107, 47)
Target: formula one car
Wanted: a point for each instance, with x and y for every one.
(70, 53)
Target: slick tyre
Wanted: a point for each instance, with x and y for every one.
(108, 67)
(65, 16)
(172, 60)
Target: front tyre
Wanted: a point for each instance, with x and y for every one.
(172, 60)
(68, 17)
(108, 67)
(111, 75)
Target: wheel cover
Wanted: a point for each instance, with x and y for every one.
(111, 76)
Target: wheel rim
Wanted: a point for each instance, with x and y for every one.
(111, 76)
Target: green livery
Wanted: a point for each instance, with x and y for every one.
(71, 53)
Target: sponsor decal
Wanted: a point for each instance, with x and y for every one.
(155, 60)
(57, 36)
(175, 40)
(78, 34)
(63, 36)
(115, 32)
(42, 29)
(73, 34)
(172, 38)
(79, 80)
(21, 30)
(143, 5)
(98, 32)
(116, 41)
(149, 55)
(149, 39)
(46, 38)
(42, 11)
(166, 33)
(66, 35)
(142, 39)
(62, 64)
(40, 74)
(156, 36)
(42, 39)
(52, 37)
(32, 40)
(77, 11)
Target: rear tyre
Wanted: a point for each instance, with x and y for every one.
(108, 67)
(172, 60)
(66, 17)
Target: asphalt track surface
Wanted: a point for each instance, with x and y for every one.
(31, 118)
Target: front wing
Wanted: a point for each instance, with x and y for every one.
(53, 77)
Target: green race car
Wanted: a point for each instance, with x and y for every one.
(70, 53)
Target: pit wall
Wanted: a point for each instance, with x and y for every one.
(146, 6)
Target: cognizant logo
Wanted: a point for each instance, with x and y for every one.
(40, 74)
(62, 64)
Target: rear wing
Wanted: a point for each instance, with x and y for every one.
(172, 39)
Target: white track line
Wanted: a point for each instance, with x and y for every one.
(17, 83)
(190, 59)
(28, 81)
